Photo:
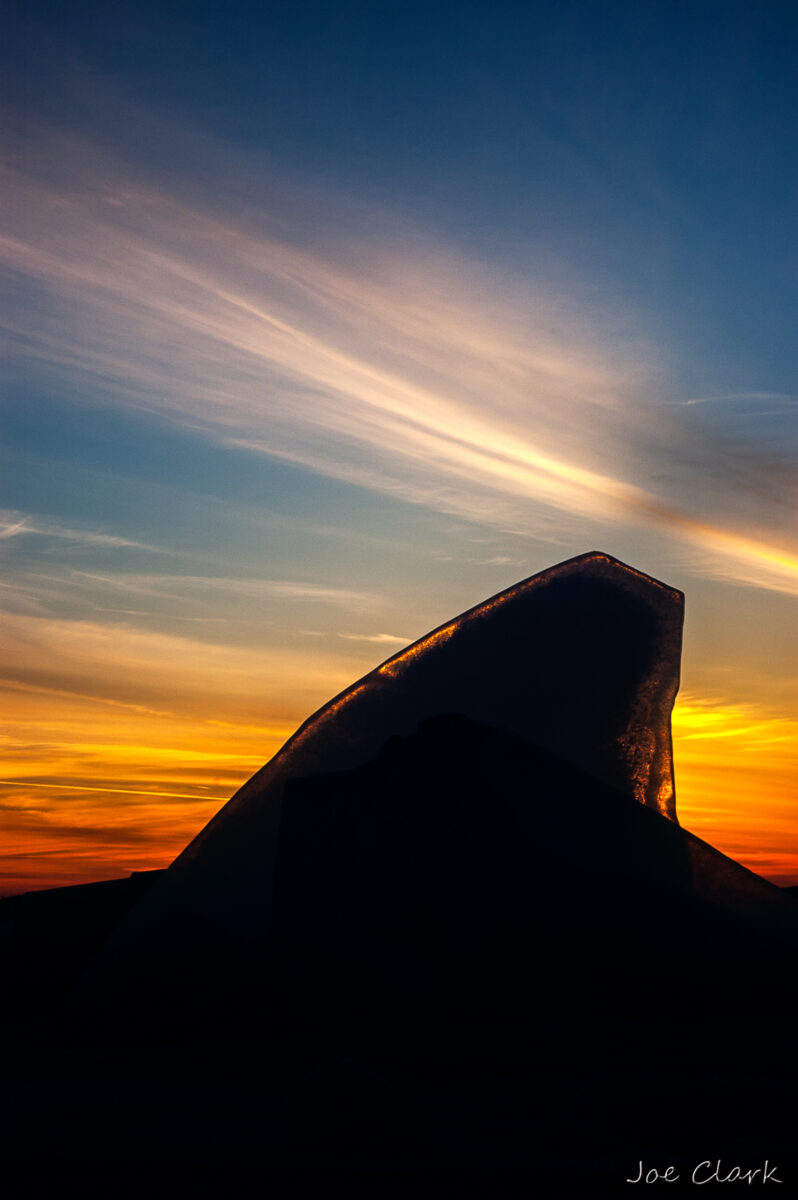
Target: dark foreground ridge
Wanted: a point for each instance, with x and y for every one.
(47, 937)
(452, 937)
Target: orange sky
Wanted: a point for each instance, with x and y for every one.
(737, 783)
(119, 747)
(95, 786)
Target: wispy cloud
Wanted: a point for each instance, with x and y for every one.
(80, 786)
(181, 586)
(394, 365)
(197, 599)
(499, 560)
(380, 639)
(19, 525)
(164, 671)
(785, 398)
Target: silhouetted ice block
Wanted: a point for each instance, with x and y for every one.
(573, 673)
(583, 659)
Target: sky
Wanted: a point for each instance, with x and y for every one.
(323, 323)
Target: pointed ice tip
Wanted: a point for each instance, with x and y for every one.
(604, 563)
(582, 573)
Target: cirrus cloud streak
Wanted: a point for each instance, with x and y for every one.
(407, 370)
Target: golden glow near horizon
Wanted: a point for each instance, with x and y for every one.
(89, 794)
(737, 782)
(93, 788)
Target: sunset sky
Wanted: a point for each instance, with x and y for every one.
(324, 322)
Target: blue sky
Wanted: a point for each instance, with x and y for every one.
(648, 143)
(322, 323)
